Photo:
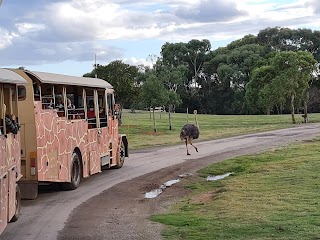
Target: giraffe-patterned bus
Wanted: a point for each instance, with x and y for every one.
(69, 130)
(9, 147)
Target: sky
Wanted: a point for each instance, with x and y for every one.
(68, 36)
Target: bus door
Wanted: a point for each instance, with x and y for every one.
(93, 131)
(112, 127)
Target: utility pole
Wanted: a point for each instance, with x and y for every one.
(95, 65)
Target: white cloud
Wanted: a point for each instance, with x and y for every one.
(6, 38)
(24, 28)
(60, 30)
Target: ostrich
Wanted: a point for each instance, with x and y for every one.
(190, 132)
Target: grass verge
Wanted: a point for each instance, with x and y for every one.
(274, 195)
(139, 126)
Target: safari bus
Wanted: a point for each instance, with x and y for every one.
(69, 130)
(10, 169)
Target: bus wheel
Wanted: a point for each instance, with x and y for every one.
(75, 173)
(121, 156)
(17, 205)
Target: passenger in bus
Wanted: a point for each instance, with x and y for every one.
(11, 122)
(70, 105)
(47, 104)
(90, 111)
(91, 114)
(36, 91)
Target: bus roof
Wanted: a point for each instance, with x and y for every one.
(8, 76)
(69, 80)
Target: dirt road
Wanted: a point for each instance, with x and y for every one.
(111, 205)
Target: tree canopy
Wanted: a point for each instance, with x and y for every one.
(272, 72)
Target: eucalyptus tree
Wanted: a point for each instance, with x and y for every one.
(286, 39)
(153, 94)
(230, 69)
(287, 76)
(123, 78)
(172, 78)
(193, 55)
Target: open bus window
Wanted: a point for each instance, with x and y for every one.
(102, 109)
(22, 93)
(75, 105)
(110, 100)
(36, 91)
(58, 98)
(47, 96)
(1, 126)
(91, 116)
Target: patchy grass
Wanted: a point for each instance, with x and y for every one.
(139, 126)
(274, 195)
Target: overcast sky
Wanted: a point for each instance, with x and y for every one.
(63, 36)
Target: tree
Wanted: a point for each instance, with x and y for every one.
(122, 77)
(153, 94)
(288, 75)
(172, 78)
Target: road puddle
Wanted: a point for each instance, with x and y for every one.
(156, 192)
(171, 182)
(218, 177)
(185, 175)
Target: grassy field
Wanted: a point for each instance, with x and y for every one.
(274, 195)
(139, 126)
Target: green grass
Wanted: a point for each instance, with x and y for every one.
(274, 195)
(139, 126)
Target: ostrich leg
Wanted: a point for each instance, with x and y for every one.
(193, 146)
(187, 147)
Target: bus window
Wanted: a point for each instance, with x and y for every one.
(102, 108)
(92, 120)
(22, 93)
(75, 105)
(47, 96)
(36, 91)
(79, 103)
(110, 100)
(58, 99)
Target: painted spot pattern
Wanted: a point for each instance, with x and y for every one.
(57, 138)
(10, 169)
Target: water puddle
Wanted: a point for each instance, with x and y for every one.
(218, 177)
(156, 192)
(171, 182)
(185, 175)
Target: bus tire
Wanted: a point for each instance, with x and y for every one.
(11, 125)
(17, 205)
(121, 156)
(75, 173)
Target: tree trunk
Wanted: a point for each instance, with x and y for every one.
(170, 124)
(154, 121)
(187, 115)
(292, 109)
(305, 111)
(268, 111)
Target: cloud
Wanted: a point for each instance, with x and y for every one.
(314, 5)
(210, 10)
(6, 38)
(38, 31)
(41, 53)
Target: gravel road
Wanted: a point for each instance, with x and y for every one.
(111, 205)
